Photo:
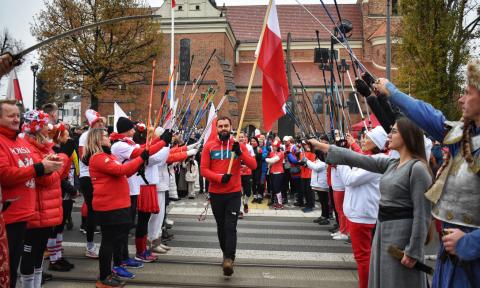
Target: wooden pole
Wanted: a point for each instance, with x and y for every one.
(149, 119)
(252, 75)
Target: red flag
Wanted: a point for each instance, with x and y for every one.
(271, 62)
(173, 3)
(13, 90)
(211, 133)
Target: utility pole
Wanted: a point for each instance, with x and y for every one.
(389, 42)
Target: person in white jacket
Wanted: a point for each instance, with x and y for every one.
(191, 175)
(361, 202)
(319, 184)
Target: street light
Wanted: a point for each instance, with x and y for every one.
(34, 68)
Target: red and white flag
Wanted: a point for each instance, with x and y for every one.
(271, 62)
(173, 3)
(211, 132)
(13, 89)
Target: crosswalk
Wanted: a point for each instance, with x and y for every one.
(281, 248)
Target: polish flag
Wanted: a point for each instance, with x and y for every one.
(271, 62)
(211, 133)
(13, 89)
(168, 120)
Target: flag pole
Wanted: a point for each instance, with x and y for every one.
(149, 119)
(252, 75)
(172, 55)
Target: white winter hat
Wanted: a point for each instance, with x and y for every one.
(286, 138)
(92, 117)
(378, 136)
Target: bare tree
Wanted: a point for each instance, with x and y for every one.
(99, 59)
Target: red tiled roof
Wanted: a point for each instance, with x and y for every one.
(246, 21)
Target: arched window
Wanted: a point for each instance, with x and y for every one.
(184, 59)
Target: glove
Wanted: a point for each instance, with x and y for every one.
(304, 161)
(193, 146)
(236, 149)
(159, 131)
(226, 178)
(362, 88)
(141, 171)
(368, 79)
(145, 155)
(192, 152)
(167, 137)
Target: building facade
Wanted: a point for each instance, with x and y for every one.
(233, 32)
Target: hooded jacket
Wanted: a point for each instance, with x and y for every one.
(215, 160)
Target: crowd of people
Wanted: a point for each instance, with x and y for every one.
(380, 187)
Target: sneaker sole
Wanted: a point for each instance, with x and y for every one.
(142, 260)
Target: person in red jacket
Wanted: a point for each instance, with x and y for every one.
(18, 170)
(111, 201)
(225, 187)
(48, 204)
(306, 175)
(275, 161)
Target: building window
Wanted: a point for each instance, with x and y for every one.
(318, 102)
(394, 7)
(75, 112)
(184, 59)
(180, 8)
(197, 7)
(352, 104)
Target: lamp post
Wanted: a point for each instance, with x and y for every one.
(34, 68)
(389, 43)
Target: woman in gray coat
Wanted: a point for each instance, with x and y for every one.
(404, 213)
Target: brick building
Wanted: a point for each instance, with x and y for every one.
(201, 26)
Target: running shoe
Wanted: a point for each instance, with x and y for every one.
(145, 257)
(122, 272)
(91, 253)
(132, 263)
(109, 282)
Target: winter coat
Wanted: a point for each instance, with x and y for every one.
(48, 204)
(191, 174)
(109, 179)
(215, 161)
(319, 175)
(17, 176)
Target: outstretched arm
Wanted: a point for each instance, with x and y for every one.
(421, 113)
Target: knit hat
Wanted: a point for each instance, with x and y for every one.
(124, 124)
(473, 73)
(141, 127)
(286, 138)
(378, 136)
(34, 121)
(276, 143)
(92, 117)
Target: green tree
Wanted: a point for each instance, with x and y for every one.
(99, 59)
(437, 42)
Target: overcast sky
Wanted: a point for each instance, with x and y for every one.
(17, 16)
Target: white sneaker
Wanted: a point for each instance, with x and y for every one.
(169, 222)
(165, 247)
(158, 250)
(341, 236)
(91, 253)
(335, 234)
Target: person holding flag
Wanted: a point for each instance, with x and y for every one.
(225, 188)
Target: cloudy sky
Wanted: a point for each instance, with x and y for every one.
(17, 16)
